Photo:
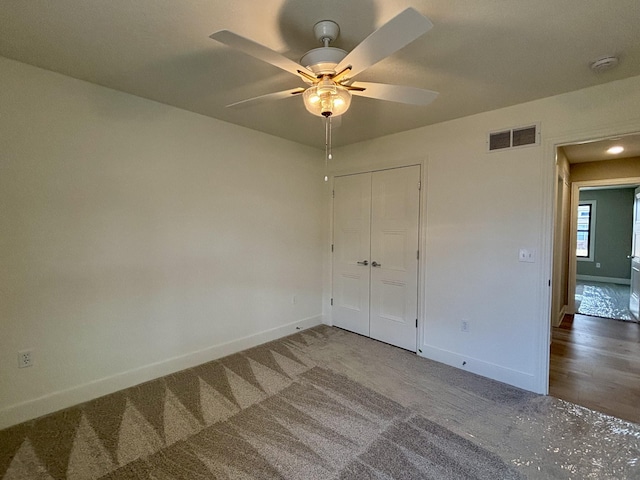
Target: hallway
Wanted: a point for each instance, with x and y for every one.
(595, 363)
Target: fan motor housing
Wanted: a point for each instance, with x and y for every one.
(323, 60)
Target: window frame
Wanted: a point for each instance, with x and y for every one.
(592, 231)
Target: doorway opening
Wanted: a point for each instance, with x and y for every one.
(595, 360)
(604, 243)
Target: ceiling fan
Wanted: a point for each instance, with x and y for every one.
(329, 71)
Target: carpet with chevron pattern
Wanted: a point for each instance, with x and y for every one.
(267, 413)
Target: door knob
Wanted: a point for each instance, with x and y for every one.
(376, 264)
(366, 262)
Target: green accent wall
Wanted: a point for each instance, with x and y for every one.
(613, 230)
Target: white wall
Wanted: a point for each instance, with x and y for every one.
(481, 208)
(139, 239)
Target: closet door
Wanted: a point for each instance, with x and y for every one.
(351, 242)
(394, 252)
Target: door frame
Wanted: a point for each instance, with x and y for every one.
(548, 201)
(422, 162)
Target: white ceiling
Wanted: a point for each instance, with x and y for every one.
(596, 151)
(480, 55)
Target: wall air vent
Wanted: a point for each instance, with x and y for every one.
(500, 140)
(513, 138)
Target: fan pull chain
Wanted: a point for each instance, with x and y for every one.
(327, 147)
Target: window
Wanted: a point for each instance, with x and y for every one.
(586, 230)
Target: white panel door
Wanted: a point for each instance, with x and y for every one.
(394, 260)
(351, 241)
(634, 299)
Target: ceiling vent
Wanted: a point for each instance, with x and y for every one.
(514, 138)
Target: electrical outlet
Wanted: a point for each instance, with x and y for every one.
(597, 265)
(25, 358)
(464, 326)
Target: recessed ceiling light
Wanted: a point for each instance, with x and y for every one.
(615, 150)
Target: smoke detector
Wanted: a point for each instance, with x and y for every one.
(605, 63)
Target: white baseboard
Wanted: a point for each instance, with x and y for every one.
(327, 320)
(490, 370)
(55, 401)
(593, 278)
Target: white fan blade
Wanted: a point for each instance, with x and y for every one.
(395, 93)
(267, 98)
(259, 51)
(397, 33)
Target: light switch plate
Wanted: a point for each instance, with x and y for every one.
(527, 255)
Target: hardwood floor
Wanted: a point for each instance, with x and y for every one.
(595, 362)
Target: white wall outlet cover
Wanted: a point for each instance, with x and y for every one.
(25, 358)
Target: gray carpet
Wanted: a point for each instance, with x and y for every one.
(268, 413)
(606, 300)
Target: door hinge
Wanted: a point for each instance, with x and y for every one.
(549, 282)
(332, 247)
(417, 254)
(416, 323)
(333, 193)
(332, 301)
(419, 185)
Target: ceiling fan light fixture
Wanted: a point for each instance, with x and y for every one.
(325, 100)
(329, 70)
